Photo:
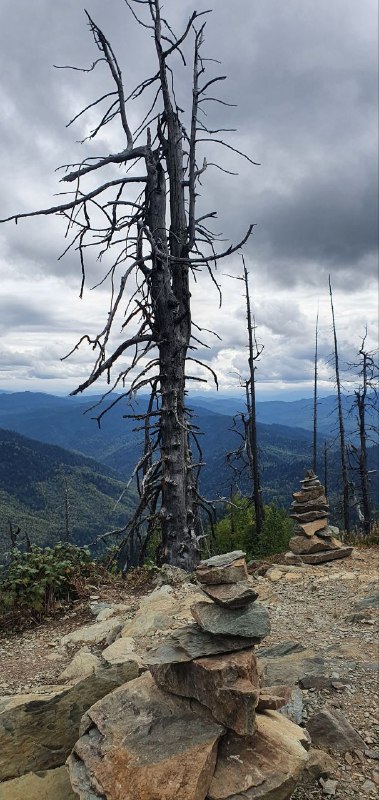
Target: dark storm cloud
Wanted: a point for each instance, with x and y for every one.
(304, 78)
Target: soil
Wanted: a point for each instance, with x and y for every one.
(307, 605)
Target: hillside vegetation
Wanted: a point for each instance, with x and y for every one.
(39, 483)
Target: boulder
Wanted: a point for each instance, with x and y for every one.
(93, 634)
(319, 765)
(290, 558)
(37, 732)
(303, 667)
(252, 621)
(231, 595)
(111, 610)
(226, 568)
(123, 650)
(169, 575)
(83, 663)
(53, 784)
(140, 742)
(226, 684)
(327, 555)
(330, 730)
(265, 766)
(155, 613)
(191, 642)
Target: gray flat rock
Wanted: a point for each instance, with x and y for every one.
(252, 621)
(231, 595)
(368, 602)
(191, 642)
(222, 560)
(329, 729)
(327, 555)
(282, 649)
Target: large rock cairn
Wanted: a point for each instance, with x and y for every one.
(196, 726)
(315, 540)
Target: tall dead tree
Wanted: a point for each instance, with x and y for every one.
(251, 418)
(326, 472)
(314, 447)
(341, 425)
(155, 238)
(365, 397)
(248, 450)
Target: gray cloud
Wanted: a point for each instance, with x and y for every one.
(304, 78)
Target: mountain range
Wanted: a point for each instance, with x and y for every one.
(100, 460)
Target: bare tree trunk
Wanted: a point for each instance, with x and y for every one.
(368, 374)
(314, 450)
(252, 444)
(344, 470)
(326, 476)
(363, 471)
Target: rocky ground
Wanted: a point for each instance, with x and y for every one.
(326, 620)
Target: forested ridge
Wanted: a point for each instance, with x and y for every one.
(67, 464)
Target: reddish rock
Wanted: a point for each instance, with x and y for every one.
(214, 573)
(140, 743)
(310, 528)
(226, 684)
(265, 766)
(272, 698)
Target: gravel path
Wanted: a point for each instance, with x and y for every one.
(311, 606)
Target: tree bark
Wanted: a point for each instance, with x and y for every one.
(252, 443)
(344, 471)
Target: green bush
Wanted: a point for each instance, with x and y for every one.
(35, 580)
(237, 531)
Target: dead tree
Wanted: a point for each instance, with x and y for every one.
(341, 425)
(326, 471)
(314, 448)
(155, 238)
(365, 397)
(248, 449)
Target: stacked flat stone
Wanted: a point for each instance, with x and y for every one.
(189, 729)
(315, 540)
(213, 660)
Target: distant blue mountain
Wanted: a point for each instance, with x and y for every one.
(285, 431)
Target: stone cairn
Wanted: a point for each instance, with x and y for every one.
(315, 540)
(197, 725)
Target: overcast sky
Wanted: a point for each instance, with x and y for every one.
(304, 77)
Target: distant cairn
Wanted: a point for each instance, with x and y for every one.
(315, 540)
